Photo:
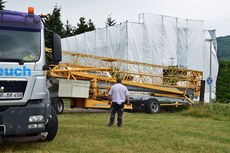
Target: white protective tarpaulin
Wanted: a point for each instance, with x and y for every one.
(154, 39)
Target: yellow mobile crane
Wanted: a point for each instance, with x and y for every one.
(150, 86)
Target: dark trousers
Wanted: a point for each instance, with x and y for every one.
(119, 109)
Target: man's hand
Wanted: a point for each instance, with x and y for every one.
(110, 99)
(127, 98)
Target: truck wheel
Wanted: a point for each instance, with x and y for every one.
(52, 126)
(153, 106)
(58, 105)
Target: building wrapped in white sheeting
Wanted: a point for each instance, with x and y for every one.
(154, 39)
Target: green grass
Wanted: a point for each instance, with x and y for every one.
(219, 111)
(164, 132)
(67, 102)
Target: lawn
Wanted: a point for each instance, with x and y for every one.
(164, 132)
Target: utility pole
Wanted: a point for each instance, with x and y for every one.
(209, 80)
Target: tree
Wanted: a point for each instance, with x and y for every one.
(91, 26)
(2, 6)
(223, 48)
(69, 29)
(223, 82)
(109, 21)
(82, 26)
(53, 21)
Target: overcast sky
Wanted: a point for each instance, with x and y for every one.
(215, 13)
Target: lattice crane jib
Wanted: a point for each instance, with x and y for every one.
(97, 69)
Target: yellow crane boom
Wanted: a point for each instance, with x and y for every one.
(161, 81)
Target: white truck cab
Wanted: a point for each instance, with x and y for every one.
(25, 107)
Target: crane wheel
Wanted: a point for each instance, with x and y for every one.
(153, 106)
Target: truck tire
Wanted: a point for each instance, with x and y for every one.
(153, 106)
(52, 126)
(58, 105)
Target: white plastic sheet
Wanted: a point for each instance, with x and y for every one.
(153, 42)
(135, 42)
(158, 39)
(182, 41)
(195, 45)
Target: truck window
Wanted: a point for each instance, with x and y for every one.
(24, 45)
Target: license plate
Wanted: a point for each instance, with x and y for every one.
(11, 95)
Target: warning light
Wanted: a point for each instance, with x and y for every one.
(31, 10)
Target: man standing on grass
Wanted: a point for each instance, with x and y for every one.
(117, 95)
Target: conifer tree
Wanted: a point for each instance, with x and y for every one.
(69, 29)
(109, 21)
(53, 21)
(82, 26)
(91, 25)
(2, 6)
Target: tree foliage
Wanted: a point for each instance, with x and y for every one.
(69, 29)
(53, 21)
(91, 25)
(109, 21)
(2, 4)
(83, 26)
(223, 48)
(223, 82)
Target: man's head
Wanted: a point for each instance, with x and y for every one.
(118, 80)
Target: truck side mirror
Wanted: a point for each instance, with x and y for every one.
(53, 41)
(56, 46)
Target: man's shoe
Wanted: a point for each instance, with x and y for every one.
(119, 126)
